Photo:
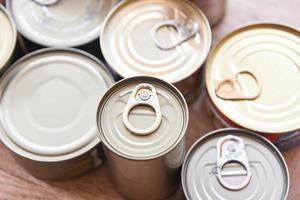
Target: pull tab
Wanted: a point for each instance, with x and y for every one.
(143, 94)
(232, 149)
(186, 29)
(46, 2)
(234, 91)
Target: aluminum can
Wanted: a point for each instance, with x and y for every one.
(166, 39)
(49, 100)
(213, 9)
(253, 78)
(234, 164)
(142, 123)
(60, 23)
(8, 39)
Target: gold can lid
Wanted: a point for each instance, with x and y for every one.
(168, 39)
(8, 37)
(253, 77)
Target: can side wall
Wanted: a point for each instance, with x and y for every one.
(147, 179)
(63, 170)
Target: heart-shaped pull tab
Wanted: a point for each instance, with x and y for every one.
(230, 88)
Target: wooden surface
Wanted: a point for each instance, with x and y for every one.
(15, 183)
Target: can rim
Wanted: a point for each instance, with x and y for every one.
(105, 98)
(10, 144)
(209, 134)
(220, 43)
(14, 29)
(112, 11)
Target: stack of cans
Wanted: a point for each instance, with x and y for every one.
(62, 113)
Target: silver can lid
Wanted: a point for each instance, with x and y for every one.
(142, 118)
(234, 164)
(48, 103)
(168, 39)
(60, 22)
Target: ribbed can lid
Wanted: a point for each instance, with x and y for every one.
(234, 164)
(142, 118)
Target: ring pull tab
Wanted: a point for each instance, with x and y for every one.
(46, 2)
(231, 149)
(186, 28)
(143, 94)
(234, 91)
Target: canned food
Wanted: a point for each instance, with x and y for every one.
(213, 9)
(48, 103)
(167, 39)
(67, 23)
(234, 164)
(142, 123)
(253, 79)
(8, 39)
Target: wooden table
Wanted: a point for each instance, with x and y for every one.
(15, 183)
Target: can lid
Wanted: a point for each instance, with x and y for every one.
(168, 39)
(234, 164)
(142, 118)
(8, 36)
(48, 103)
(253, 77)
(60, 23)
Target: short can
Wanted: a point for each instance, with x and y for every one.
(253, 78)
(234, 164)
(142, 123)
(8, 39)
(166, 39)
(213, 9)
(49, 100)
(60, 23)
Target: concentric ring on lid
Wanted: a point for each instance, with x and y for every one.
(269, 176)
(132, 32)
(8, 37)
(264, 61)
(65, 23)
(122, 139)
(48, 103)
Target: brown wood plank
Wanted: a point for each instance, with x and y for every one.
(15, 183)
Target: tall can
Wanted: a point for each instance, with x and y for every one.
(233, 164)
(213, 9)
(60, 23)
(142, 123)
(48, 104)
(253, 79)
(8, 39)
(166, 39)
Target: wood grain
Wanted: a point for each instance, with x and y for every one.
(16, 183)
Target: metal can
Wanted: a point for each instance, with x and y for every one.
(213, 9)
(142, 123)
(8, 39)
(167, 39)
(253, 79)
(48, 103)
(67, 23)
(234, 164)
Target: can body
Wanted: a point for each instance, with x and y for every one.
(52, 134)
(148, 179)
(213, 9)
